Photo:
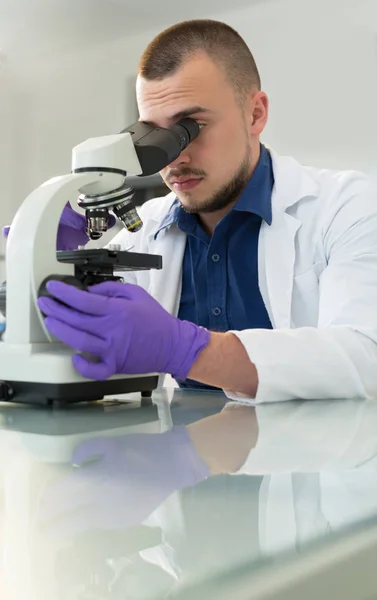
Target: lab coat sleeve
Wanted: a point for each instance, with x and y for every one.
(338, 359)
(308, 437)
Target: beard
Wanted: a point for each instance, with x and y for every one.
(227, 193)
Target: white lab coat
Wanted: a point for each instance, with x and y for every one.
(317, 277)
(318, 463)
(319, 469)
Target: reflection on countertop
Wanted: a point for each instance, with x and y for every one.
(110, 500)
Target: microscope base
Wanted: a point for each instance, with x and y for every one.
(61, 394)
(44, 374)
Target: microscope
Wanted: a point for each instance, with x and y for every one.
(34, 366)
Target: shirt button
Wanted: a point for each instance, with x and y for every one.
(215, 257)
(217, 311)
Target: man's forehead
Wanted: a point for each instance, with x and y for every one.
(177, 85)
(173, 103)
(195, 82)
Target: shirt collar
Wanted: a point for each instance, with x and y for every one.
(255, 198)
(170, 218)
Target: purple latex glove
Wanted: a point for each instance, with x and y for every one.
(71, 230)
(119, 481)
(123, 327)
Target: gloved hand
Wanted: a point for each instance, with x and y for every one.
(119, 481)
(121, 325)
(71, 231)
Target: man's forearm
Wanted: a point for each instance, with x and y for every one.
(214, 439)
(225, 363)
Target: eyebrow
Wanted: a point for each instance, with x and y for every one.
(183, 114)
(188, 112)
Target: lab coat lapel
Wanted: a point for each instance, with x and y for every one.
(277, 252)
(277, 257)
(166, 284)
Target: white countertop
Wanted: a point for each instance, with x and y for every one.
(172, 494)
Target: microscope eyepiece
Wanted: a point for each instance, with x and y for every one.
(157, 147)
(186, 130)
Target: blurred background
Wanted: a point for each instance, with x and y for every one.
(68, 70)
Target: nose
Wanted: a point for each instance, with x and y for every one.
(183, 159)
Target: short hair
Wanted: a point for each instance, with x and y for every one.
(171, 48)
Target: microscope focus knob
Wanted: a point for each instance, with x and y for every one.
(69, 279)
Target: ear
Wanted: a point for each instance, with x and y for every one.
(257, 111)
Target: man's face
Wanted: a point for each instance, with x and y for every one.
(215, 167)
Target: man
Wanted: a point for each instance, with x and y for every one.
(269, 281)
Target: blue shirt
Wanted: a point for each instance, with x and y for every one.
(220, 288)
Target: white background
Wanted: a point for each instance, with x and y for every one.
(68, 68)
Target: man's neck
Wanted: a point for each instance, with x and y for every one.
(209, 221)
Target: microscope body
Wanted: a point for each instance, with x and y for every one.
(34, 366)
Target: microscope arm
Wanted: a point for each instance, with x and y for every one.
(31, 255)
